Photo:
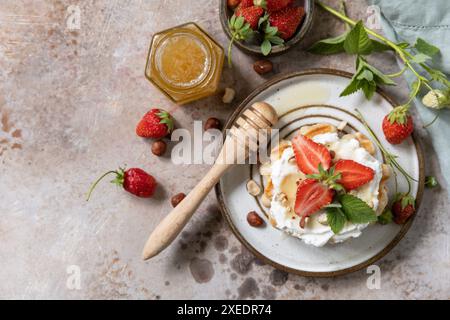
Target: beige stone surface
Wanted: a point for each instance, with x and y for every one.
(69, 102)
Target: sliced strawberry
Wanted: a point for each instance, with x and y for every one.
(311, 197)
(353, 174)
(309, 154)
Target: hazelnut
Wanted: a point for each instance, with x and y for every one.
(233, 3)
(254, 219)
(228, 95)
(176, 199)
(159, 148)
(212, 123)
(262, 66)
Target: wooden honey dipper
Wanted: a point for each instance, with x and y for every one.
(259, 115)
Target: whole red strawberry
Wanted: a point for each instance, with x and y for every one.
(156, 124)
(251, 15)
(397, 125)
(403, 208)
(133, 180)
(273, 5)
(287, 20)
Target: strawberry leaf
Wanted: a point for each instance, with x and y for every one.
(425, 48)
(266, 47)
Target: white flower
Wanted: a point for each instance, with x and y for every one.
(436, 99)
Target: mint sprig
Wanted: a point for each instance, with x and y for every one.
(361, 41)
(349, 208)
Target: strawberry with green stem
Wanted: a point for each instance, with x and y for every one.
(398, 125)
(156, 123)
(403, 208)
(134, 180)
(405, 198)
(271, 36)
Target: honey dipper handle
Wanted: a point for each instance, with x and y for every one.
(169, 228)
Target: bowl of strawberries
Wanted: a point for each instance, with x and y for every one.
(265, 27)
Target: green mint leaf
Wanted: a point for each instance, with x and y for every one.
(356, 210)
(438, 76)
(379, 77)
(358, 41)
(266, 47)
(336, 219)
(424, 47)
(369, 88)
(329, 46)
(366, 74)
(420, 58)
(386, 217)
(380, 46)
(352, 87)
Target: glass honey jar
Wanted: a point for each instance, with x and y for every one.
(185, 63)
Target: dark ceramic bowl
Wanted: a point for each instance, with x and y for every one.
(253, 48)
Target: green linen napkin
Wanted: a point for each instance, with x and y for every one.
(406, 20)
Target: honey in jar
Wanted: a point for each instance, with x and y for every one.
(185, 63)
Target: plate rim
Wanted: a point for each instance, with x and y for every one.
(226, 214)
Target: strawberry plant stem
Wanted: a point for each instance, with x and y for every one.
(96, 182)
(230, 46)
(404, 55)
(390, 158)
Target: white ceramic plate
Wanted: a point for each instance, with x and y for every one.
(301, 99)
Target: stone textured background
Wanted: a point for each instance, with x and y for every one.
(69, 102)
